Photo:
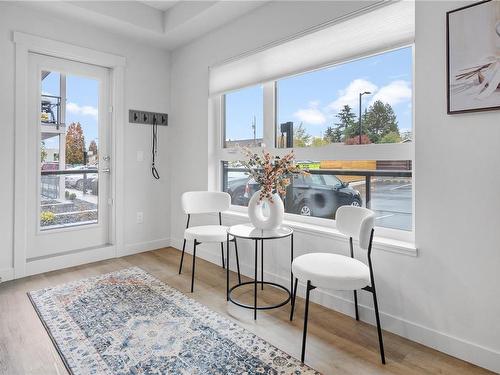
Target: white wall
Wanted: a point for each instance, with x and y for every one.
(447, 297)
(146, 87)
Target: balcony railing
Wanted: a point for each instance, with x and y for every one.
(367, 174)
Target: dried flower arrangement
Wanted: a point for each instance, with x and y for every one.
(273, 173)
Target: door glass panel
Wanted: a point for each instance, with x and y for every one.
(69, 144)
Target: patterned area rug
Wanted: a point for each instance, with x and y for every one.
(128, 322)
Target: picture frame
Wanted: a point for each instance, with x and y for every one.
(473, 57)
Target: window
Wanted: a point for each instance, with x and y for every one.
(323, 106)
(68, 143)
(318, 114)
(244, 118)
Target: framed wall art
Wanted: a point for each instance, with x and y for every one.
(473, 57)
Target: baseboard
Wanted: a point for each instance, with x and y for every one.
(141, 247)
(52, 263)
(454, 346)
(6, 274)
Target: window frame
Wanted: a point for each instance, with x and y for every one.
(388, 151)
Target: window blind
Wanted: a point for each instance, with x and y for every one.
(389, 26)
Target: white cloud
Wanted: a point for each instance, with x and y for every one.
(85, 110)
(311, 115)
(350, 94)
(394, 93)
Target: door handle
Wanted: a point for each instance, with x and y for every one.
(106, 158)
(106, 170)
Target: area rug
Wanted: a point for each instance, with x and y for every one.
(128, 322)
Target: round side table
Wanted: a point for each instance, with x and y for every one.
(248, 231)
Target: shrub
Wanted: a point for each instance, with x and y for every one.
(47, 217)
(72, 196)
(66, 194)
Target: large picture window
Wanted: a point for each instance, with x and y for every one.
(367, 100)
(350, 125)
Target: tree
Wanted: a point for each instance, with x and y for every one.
(379, 121)
(75, 144)
(392, 137)
(43, 152)
(300, 137)
(346, 120)
(319, 141)
(333, 134)
(351, 121)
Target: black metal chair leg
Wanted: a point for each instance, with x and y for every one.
(262, 264)
(379, 329)
(255, 285)
(222, 253)
(227, 268)
(182, 256)
(356, 304)
(294, 294)
(304, 334)
(237, 260)
(194, 263)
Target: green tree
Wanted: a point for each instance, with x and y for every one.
(392, 137)
(380, 120)
(43, 152)
(346, 120)
(333, 134)
(300, 137)
(75, 144)
(319, 141)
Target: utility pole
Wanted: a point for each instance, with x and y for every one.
(360, 96)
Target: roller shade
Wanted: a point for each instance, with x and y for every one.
(388, 26)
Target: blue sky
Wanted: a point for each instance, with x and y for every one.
(314, 98)
(81, 105)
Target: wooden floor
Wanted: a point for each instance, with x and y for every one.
(337, 344)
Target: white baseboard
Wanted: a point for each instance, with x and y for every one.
(6, 274)
(144, 246)
(53, 263)
(58, 262)
(454, 346)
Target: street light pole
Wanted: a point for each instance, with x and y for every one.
(360, 96)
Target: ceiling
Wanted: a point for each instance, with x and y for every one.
(161, 5)
(168, 24)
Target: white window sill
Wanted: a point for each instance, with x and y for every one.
(379, 243)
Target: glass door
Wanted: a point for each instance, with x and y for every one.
(71, 156)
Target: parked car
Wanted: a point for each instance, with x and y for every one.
(318, 195)
(50, 166)
(76, 181)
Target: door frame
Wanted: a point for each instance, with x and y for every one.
(25, 44)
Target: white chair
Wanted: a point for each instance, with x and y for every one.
(203, 202)
(339, 272)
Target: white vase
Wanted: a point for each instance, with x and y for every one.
(266, 214)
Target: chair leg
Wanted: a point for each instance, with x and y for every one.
(182, 256)
(306, 315)
(356, 304)
(294, 294)
(222, 254)
(379, 329)
(194, 263)
(237, 260)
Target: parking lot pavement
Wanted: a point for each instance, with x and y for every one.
(392, 203)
